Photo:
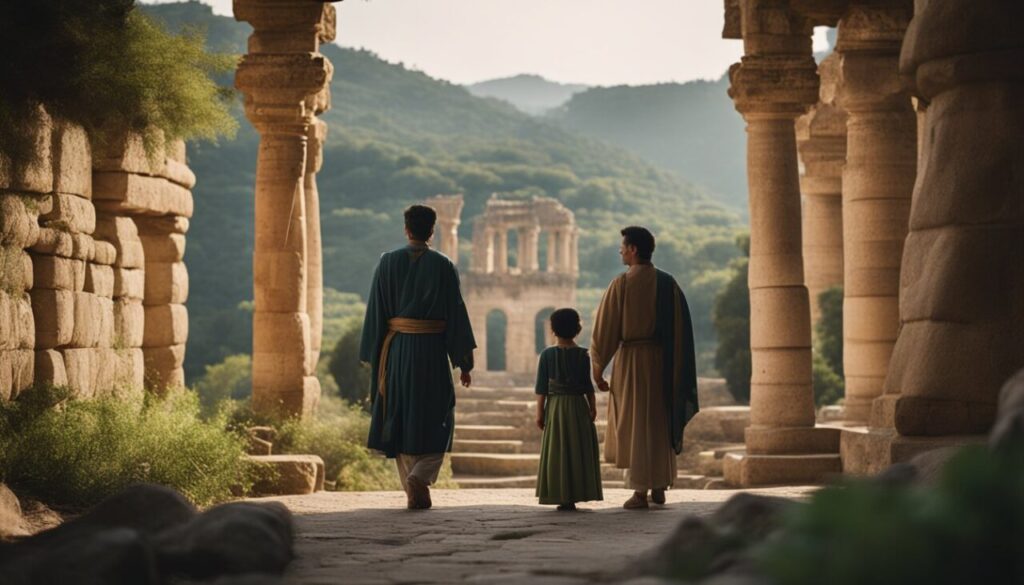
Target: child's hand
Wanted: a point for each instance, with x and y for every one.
(540, 421)
(593, 412)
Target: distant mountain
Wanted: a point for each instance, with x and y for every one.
(691, 128)
(530, 93)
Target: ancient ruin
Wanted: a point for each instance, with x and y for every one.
(527, 289)
(284, 79)
(93, 283)
(917, 321)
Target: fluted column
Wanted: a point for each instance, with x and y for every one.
(962, 285)
(774, 84)
(501, 264)
(552, 251)
(821, 138)
(877, 184)
(284, 79)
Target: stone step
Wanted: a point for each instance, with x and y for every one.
(494, 417)
(692, 482)
(490, 405)
(487, 432)
(494, 464)
(611, 473)
(487, 482)
(487, 446)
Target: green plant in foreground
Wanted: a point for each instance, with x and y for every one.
(75, 453)
(968, 528)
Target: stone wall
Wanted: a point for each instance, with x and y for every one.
(92, 283)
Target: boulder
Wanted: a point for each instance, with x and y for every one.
(289, 475)
(118, 556)
(12, 523)
(230, 539)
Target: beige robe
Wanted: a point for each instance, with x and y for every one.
(637, 437)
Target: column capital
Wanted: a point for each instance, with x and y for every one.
(775, 86)
(278, 89)
(874, 26)
(869, 42)
(287, 26)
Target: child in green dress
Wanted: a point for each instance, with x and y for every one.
(570, 468)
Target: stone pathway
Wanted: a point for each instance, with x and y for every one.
(479, 536)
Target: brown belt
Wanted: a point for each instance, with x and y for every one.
(640, 342)
(401, 325)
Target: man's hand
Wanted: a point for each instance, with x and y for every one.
(466, 378)
(540, 421)
(602, 384)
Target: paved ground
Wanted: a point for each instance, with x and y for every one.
(479, 536)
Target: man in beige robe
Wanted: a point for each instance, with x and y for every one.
(644, 323)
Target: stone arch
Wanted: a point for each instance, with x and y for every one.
(541, 330)
(497, 340)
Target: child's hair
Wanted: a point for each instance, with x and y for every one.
(566, 323)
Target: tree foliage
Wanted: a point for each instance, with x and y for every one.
(829, 328)
(732, 322)
(352, 377)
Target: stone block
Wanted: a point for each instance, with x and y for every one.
(165, 325)
(289, 474)
(129, 283)
(132, 372)
(72, 160)
(782, 405)
(49, 368)
(123, 234)
(163, 247)
(105, 253)
(780, 317)
(54, 242)
(787, 441)
(278, 282)
(99, 280)
(776, 270)
(129, 155)
(17, 326)
(870, 318)
(16, 372)
(56, 272)
(70, 213)
(108, 374)
(866, 358)
(15, 269)
(781, 366)
(718, 424)
(128, 322)
(163, 365)
(78, 363)
(274, 331)
(106, 321)
(82, 247)
(54, 314)
(288, 399)
(19, 221)
(166, 283)
(131, 193)
(88, 323)
(35, 174)
(750, 470)
(162, 225)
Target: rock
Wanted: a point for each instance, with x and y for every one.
(289, 475)
(751, 515)
(258, 446)
(231, 539)
(97, 557)
(924, 468)
(12, 524)
(1009, 426)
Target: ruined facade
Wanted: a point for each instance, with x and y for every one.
(91, 247)
(285, 81)
(519, 290)
(931, 224)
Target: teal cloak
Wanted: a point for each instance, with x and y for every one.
(418, 415)
(679, 362)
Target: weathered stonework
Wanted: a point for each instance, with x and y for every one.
(84, 298)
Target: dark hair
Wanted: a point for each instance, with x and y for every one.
(640, 237)
(419, 220)
(566, 323)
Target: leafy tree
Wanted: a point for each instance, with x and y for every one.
(828, 386)
(829, 328)
(230, 379)
(352, 377)
(732, 322)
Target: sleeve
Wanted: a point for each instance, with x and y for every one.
(587, 382)
(459, 337)
(607, 327)
(373, 321)
(541, 387)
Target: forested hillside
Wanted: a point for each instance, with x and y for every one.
(691, 128)
(397, 136)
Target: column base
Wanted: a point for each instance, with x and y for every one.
(791, 440)
(868, 451)
(297, 402)
(746, 470)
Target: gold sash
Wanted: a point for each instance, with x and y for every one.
(401, 325)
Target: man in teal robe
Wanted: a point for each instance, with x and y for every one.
(416, 330)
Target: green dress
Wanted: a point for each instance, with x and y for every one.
(570, 468)
(417, 418)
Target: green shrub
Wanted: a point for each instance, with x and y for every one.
(828, 387)
(966, 529)
(230, 379)
(75, 453)
(352, 377)
(104, 65)
(732, 324)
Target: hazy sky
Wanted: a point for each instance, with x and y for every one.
(597, 42)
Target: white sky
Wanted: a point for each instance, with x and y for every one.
(597, 42)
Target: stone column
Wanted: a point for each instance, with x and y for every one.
(489, 250)
(574, 252)
(528, 249)
(774, 84)
(564, 250)
(552, 251)
(314, 257)
(821, 137)
(284, 79)
(962, 284)
(877, 184)
(501, 264)
(451, 240)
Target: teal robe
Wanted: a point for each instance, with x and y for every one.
(418, 415)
